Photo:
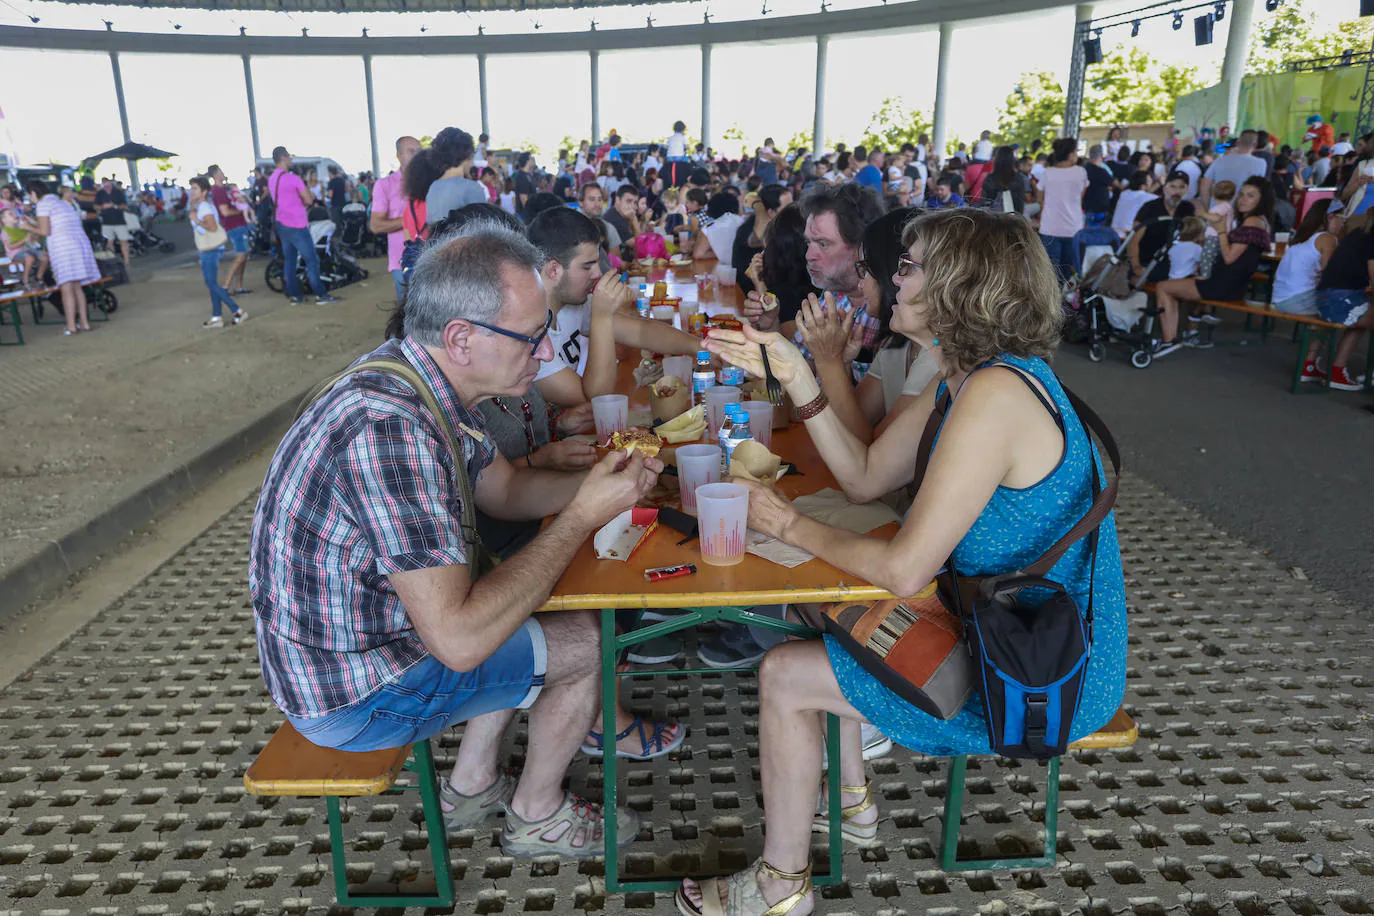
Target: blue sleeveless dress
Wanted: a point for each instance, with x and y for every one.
(1016, 527)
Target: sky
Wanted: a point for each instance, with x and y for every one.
(64, 109)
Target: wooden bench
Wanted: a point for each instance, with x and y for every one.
(291, 765)
(1305, 327)
(100, 301)
(1121, 731)
(9, 304)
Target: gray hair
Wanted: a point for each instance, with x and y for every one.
(458, 276)
(1095, 151)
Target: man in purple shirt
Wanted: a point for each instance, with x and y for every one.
(291, 198)
(389, 203)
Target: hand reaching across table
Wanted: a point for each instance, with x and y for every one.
(741, 348)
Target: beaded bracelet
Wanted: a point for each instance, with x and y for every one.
(813, 407)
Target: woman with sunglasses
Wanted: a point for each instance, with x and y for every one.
(1011, 471)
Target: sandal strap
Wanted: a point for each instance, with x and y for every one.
(861, 806)
(780, 875)
(788, 903)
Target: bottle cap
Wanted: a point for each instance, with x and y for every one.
(704, 354)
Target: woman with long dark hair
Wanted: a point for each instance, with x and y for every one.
(780, 269)
(1241, 249)
(1005, 176)
(439, 175)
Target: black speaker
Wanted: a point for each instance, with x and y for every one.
(1202, 29)
(1092, 51)
(1367, 7)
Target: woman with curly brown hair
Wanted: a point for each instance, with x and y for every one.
(1010, 472)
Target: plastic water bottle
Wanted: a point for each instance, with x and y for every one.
(642, 307)
(739, 431)
(703, 377)
(732, 375)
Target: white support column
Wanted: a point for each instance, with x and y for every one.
(596, 97)
(818, 124)
(705, 96)
(1241, 14)
(123, 116)
(371, 115)
(938, 128)
(482, 90)
(252, 108)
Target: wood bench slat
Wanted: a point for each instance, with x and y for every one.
(291, 765)
(1121, 731)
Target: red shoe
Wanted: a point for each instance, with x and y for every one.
(1311, 372)
(1341, 380)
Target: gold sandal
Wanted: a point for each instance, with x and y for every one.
(865, 835)
(745, 898)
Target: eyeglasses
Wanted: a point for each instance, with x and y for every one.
(534, 341)
(862, 269)
(906, 264)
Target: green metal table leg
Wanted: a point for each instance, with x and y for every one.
(954, 804)
(835, 874)
(427, 784)
(610, 649)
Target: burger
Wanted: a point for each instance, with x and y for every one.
(635, 439)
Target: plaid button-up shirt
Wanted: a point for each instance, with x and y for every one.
(361, 487)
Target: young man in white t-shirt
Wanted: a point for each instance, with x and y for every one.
(587, 317)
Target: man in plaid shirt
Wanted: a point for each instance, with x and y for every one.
(371, 631)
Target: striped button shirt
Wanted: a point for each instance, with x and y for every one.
(361, 487)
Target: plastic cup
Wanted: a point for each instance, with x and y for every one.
(680, 366)
(663, 313)
(687, 308)
(716, 397)
(723, 522)
(683, 237)
(697, 465)
(611, 412)
(725, 276)
(760, 421)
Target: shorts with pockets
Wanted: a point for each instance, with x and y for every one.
(1342, 306)
(113, 233)
(239, 239)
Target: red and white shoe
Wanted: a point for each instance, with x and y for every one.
(1312, 373)
(1342, 380)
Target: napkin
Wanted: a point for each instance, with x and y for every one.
(831, 507)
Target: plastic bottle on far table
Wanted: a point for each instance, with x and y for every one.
(739, 431)
(703, 377)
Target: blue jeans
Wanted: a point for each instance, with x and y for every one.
(1063, 254)
(428, 698)
(296, 243)
(398, 280)
(209, 270)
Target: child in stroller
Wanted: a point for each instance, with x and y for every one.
(1117, 309)
(337, 267)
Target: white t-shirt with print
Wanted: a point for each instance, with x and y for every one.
(571, 327)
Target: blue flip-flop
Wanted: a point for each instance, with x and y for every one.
(654, 745)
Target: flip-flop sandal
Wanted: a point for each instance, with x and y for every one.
(655, 745)
(744, 897)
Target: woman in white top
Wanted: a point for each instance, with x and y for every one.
(205, 220)
(676, 163)
(1295, 282)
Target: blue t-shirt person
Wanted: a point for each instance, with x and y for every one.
(933, 202)
(870, 176)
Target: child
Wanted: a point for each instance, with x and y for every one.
(508, 197)
(1223, 192)
(1186, 252)
(20, 248)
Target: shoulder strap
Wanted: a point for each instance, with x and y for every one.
(399, 368)
(1104, 498)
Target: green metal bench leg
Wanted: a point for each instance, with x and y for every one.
(954, 805)
(422, 764)
(13, 309)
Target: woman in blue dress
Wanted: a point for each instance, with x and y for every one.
(1003, 484)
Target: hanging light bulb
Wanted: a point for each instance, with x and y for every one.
(1178, 20)
(1220, 12)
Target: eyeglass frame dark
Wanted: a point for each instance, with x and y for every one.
(534, 341)
(862, 269)
(906, 264)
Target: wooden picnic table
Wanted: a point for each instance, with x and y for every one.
(713, 593)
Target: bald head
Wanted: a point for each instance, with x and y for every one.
(406, 148)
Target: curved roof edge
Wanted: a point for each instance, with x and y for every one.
(870, 19)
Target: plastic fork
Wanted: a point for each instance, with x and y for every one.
(773, 385)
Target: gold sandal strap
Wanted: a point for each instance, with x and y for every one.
(788, 903)
(803, 875)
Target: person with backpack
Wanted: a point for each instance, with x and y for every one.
(291, 199)
(1012, 471)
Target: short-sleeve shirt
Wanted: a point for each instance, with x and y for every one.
(111, 216)
(571, 326)
(389, 200)
(1348, 267)
(449, 194)
(1236, 167)
(220, 196)
(1152, 215)
(1098, 198)
(1063, 188)
(361, 487)
(285, 188)
(338, 191)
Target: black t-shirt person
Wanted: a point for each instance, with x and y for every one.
(1098, 197)
(1158, 229)
(1349, 264)
(338, 192)
(111, 216)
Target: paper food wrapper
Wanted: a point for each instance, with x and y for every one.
(831, 507)
(685, 427)
(622, 535)
(677, 400)
(753, 461)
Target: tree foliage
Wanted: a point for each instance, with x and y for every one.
(1288, 36)
(1128, 86)
(894, 124)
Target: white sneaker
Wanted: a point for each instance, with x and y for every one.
(1209, 318)
(876, 744)
(216, 322)
(240, 316)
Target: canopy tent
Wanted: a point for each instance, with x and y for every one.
(375, 6)
(129, 151)
(1278, 103)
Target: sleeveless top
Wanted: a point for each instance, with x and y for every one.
(1015, 528)
(1299, 270)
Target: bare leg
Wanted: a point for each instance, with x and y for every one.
(81, 320)
(1167, 294)
(69, 304)
(559, 719)
(796, 683)
(477, 765)
(124, 248)
(1345, 347)
(236, 270)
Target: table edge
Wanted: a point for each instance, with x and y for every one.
(747, 598)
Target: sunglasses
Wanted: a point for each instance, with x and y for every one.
(906, 264)
(534, 341)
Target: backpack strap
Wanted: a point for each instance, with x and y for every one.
(479, 558)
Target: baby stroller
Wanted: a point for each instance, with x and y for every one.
(142, 240)
(1110, 297)
(337, 267)
(353, 233)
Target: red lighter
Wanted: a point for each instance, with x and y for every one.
(669, 572)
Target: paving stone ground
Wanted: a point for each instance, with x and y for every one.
(1250, 791)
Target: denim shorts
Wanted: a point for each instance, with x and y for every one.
(429, 698)
(239, 239)
(1342, 306)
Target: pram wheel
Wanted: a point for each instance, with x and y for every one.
(275, 278)
(1141, 358)
(167, 247)
(105, 301)
(1097, 351)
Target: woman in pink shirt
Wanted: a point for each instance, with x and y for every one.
(1061, 205)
